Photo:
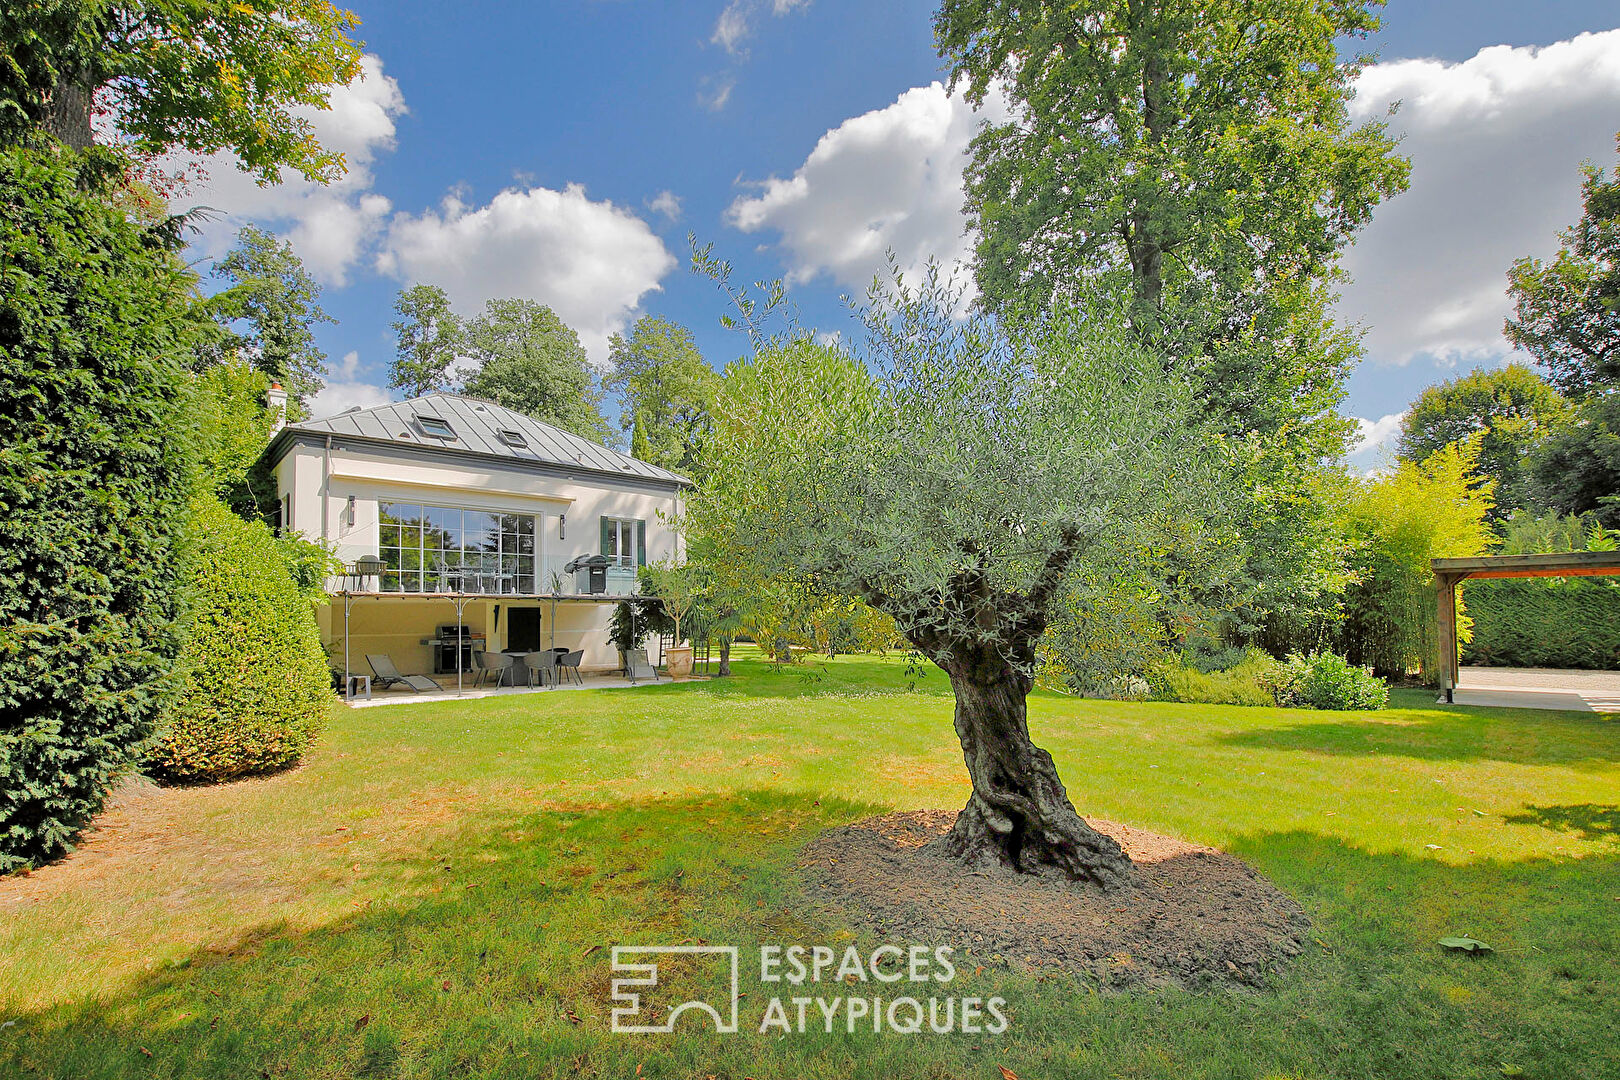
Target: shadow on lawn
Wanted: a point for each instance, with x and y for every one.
(493, 960)
(1589, 821)
(1454, 735)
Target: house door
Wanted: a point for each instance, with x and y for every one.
(523, 629)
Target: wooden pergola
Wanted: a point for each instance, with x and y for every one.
(1449, 573)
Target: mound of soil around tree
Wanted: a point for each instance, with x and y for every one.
(1191, 915)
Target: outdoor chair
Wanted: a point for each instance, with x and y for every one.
(569, 663)
(385, 674)
(499, 663)
(637, 666)
(542, 666)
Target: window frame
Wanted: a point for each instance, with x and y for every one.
(426, 423)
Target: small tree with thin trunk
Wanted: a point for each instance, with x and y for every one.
(955, 480)
(676, 586)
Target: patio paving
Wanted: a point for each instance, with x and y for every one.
(403, 696)
(1539, 688)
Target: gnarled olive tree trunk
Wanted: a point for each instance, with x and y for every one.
(1019, 814)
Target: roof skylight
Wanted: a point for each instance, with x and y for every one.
(513, 438)
(432, 425)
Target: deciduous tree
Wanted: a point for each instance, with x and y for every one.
(430, 338)
(528, 359)
(277, 304)
(667, 391)
(1509, 411)
(197, 75)
(1196, 154)
(1567, 311)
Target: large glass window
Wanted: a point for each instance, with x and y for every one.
(441, 549)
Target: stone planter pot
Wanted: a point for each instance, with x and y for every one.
(678, 660)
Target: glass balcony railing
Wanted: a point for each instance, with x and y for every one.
(551, 576)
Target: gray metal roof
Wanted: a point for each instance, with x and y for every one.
(478, 424)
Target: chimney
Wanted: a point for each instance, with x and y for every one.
(275, 399)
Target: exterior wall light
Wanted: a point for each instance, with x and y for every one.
(562, 526)
(350, 515)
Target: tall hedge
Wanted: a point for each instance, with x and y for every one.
(253, 685)
(94, 334)
(1544, 622)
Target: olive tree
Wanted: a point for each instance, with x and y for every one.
(954, 477)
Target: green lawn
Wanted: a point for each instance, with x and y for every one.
(435, 893)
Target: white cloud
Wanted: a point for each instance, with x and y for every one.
(345, 389)
(327, 225)
(890, 179)
(735, 23)
(732, 26)
(590, 262)
(1495, 143)
(715, 90)
(1375, 442)
(667, 203)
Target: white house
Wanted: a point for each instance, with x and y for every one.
(467, 504)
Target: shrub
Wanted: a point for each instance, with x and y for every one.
(1245, 682)
(254, 686)
(95, 337)
(1324, 680)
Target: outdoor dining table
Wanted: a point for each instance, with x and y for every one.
(520, 670)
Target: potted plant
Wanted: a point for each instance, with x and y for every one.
(676, 587)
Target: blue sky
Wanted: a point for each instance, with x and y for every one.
(563, 151)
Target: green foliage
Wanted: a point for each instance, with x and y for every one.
(1403, 519)
(531, 361)
(279, 302)
(253, 686)
(1325, 680)
(634, 619)
(1245, 678)
(196, 75)
(954, 478)
(95, 334)
(1195, 156)
(1546, 622)
(1577, 470)
(668, 391)
(1104, 628)
(233, 426)
(1508, 410)
(1568, 310)
(429, 337)
(677, 586)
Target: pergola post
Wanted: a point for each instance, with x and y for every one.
(1446, 591)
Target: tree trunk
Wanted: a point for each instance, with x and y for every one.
(68, 115)
(1019, 815)
(725, 657)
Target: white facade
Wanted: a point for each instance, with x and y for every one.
(351, 480)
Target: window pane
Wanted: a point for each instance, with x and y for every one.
(525, 583)
(525, 525)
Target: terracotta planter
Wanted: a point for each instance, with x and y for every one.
(678, 660)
